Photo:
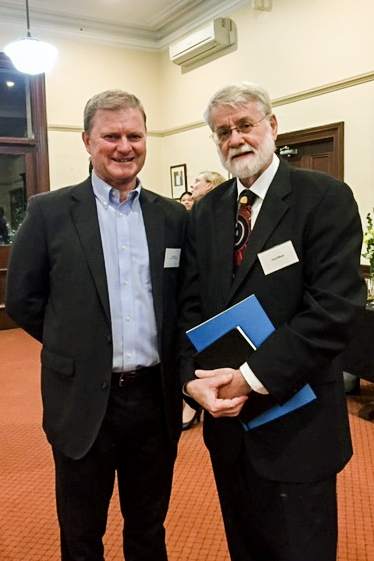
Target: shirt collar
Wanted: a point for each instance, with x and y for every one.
(106, 194)
(262, 184)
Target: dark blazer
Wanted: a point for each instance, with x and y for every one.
(57, 292)
(312, 303)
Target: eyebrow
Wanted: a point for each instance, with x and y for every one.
(242, 120)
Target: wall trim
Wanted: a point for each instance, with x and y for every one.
(286, 100)
(326, 89)
(160, 134)
(64, 128)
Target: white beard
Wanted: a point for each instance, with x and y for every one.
(254, 163)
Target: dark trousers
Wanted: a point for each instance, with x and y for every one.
(132, 443)
(274, 521)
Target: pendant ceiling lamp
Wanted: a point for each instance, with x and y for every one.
(29, 55)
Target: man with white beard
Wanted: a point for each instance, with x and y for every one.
(293, 238)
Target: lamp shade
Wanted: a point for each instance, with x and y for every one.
(31, 56)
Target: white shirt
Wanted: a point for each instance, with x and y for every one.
(260, 188)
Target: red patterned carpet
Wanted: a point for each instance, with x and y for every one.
(28, 525)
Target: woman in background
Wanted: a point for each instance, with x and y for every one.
(187, 200)
(205, 182)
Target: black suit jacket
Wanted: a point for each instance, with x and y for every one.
(312, 303)
(57, 291)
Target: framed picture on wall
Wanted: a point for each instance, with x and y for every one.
(178, 176)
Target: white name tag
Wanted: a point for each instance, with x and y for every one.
(278, 257)
(172, 257)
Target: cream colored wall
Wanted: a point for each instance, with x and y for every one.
(295, 47)
(83, 70)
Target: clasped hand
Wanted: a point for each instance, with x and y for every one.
(222, 392)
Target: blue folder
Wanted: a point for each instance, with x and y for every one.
(251, 317)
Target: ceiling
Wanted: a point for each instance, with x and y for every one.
(143, 24)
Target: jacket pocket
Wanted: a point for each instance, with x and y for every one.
(58, 363)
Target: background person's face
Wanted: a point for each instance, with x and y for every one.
(187, 201)
(117, 145)
(200, 187)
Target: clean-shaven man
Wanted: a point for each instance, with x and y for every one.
(93, 276)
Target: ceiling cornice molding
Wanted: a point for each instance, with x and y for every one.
(173, 13)
(110, 33)
(174, 32)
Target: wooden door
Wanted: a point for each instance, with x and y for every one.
(318, 148)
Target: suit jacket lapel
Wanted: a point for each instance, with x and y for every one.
(272, 210)
(224, 213)
(154, 223)
(84, 215)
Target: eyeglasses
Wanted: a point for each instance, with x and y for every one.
(221, 135)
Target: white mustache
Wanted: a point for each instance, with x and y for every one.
(241, 150)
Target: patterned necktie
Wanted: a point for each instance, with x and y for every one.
(243, 225)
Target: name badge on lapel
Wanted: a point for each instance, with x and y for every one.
(172, 257)
(278, 257)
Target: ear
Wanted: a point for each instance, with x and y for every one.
(209, 187)
(86, 140)
(273, 126)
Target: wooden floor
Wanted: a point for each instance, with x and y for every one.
(28, 525)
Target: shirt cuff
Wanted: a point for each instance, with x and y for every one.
(252, 380)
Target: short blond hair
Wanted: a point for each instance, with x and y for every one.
(213, 177)
(111, 100)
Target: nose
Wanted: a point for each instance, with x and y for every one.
(236, 138)
(123, 144)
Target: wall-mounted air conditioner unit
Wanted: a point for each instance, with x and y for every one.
(215, 36)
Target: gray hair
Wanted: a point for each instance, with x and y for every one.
(236, 95)
(213, 177)
(112, 100)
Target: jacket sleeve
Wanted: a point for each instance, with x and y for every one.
(27, 286)
(189, 302)
(303, 348)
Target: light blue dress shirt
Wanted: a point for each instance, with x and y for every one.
(127, 268)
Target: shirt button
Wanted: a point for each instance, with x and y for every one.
(104, 385)
(125, 282)
(124, 247)
(128, 355)
(121, 213)
(128, 318)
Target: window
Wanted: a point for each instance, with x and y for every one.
(24, 166)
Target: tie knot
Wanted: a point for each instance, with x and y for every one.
(247, 197)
